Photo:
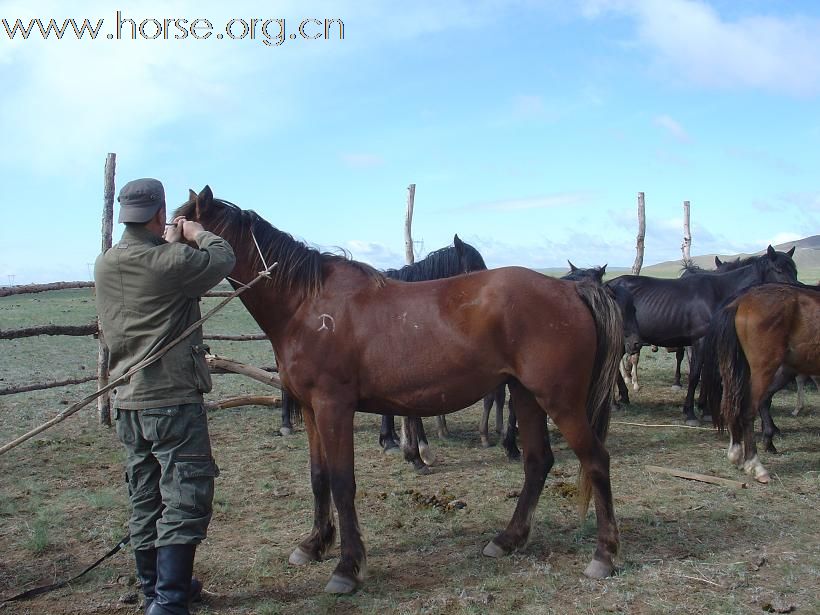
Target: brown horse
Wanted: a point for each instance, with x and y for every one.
(347, 339)
(766, 328)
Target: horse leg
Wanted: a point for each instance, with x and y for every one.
(314, 548)
(759, 385)
(695, 365)
(441, 426)
(633, 360)
(500, 398)
(623, 390)
(334, 422)
(489, 400)
(679, 352)
(572, 421)
(287, 401)
(625, 369)
(801, 394)
(511, 435)
(414, 444)
(387, 434)
(538, 460)
(781, 378)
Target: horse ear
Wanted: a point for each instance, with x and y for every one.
(791, 252)
(770, 251)
(456, 241)
(718, 262)
(603, 270)
(191, 195)
(203, 201)
(572, 267)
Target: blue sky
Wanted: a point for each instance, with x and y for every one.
(528, 127)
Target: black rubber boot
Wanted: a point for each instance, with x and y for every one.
(175, 566)
(146, 560)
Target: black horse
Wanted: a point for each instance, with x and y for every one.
(676, 312)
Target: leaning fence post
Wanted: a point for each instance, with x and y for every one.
(408, 224)
(104, 401)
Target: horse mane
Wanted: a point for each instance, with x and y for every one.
(441, 263)
(689, 266)
(300, 267)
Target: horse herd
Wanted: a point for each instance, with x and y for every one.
(350, 338)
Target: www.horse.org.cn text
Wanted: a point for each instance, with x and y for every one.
(271, 32)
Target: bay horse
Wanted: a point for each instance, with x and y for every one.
(348, 338)
(676, 312)
(752, 337)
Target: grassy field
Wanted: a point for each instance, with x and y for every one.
(687, 547)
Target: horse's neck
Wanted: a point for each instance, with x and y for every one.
(736, 280)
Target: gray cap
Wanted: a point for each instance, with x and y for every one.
(140, 199)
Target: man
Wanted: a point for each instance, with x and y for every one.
(148, 290)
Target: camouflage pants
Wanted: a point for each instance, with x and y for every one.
(170, 474)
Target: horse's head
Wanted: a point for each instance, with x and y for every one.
(468, 256)
(198, 207)
(780, 266)
(596, 274)
(632, 337)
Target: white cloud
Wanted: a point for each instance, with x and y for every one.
(691, 41)
(673, 128)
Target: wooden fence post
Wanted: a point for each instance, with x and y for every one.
(636, 267)
(687, 234)
(408, 223)
(104, 401)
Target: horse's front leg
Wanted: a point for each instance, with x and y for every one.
(695, 366)
(314, 548)
(634, 358)
(334, 422)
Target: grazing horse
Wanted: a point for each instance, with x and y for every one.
(752, 337)
(676, 312)
(348, 338)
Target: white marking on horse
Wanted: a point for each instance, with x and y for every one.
(325, 318)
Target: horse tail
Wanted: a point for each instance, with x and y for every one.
(725, 375)
(609, 330)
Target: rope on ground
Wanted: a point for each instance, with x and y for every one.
(653, 425)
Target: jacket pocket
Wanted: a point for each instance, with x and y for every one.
(202, 375)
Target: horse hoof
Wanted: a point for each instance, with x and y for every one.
(493, 550)
(706, 418)
(692, 422)
(636, 388)
(340, 585)
(763, 478)
(300, 558)
(598, 570)
(485, 444)
(285, 431)
(390, 450)
(676, 387)
(423, 470)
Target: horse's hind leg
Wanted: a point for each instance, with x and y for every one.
(287, 401)
(538, 460)
(759, 385)
(414, 444)
(575, 427)
(511, 434)
(634, 358)
(441, 426)
(500, 398)
(321, 538)
(781, 378)
(387, 434)
(489, 400)
(679, 352)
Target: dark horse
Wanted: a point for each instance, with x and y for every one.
(347, 338)
(767, 328)
(676, 312)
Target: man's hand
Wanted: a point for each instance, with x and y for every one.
(183, 229)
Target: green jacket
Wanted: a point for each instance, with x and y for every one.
(147, 294)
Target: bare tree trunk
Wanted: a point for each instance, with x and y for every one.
(408, 223)
(25, 289)
(687, 233)
(636, 268)
(104, 401)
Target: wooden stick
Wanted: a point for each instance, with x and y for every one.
(24, 289)
(215, 362)
(244, 400)
(103, 354)
(660, 425)
(715, 480)
(639, 245)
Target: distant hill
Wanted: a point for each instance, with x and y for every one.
(806, 257)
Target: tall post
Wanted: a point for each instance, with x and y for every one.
(408, 223)
(104, 401)
(636, 268)
(687, 234)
